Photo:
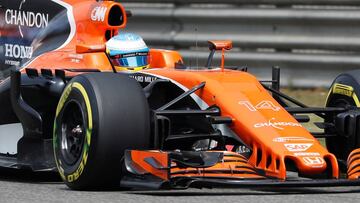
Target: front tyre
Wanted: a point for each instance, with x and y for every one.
(98, 117)
(344, 92)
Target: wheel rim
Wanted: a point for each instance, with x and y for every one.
(72, 133)
(339, 145)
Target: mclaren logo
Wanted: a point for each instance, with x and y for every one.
(26, 18)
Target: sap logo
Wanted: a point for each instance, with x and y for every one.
(311, 161)
(262, 105)
(276, 124)
(18, 51)
(297, 147)
(98, 13)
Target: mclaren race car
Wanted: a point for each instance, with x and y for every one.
(67, 108)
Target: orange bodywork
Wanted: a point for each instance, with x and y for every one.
(232, 165)
(220, 45)
(272, 133)
(86, 46)
(161, 158)
(353, 164)
(258, 119)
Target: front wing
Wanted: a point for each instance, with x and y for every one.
(156, 169)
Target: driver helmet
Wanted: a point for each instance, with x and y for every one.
(128, 52)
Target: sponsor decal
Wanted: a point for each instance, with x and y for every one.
(15, 52)
(242, 149)
(314, 161)
(291, 139)
(97, 47)
(76, 58)
(143, 78)
(26, 18)
(343, 89)
(23, 18)
(262, 105)
(278, 125)
(298, 147)
(11, 62)
(98, 13)
(132, 37)
(308, 154)
(18, 51)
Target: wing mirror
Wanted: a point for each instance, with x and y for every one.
(216, 45)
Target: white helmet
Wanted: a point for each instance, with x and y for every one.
(128, 51)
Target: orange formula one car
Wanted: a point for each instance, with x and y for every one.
(69, 108)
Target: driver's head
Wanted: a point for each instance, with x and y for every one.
(128, 52)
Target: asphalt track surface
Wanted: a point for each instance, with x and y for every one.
(46, 187)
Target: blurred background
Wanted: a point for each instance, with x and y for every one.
(312, 41)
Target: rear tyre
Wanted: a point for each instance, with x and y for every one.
(345, 91)
(98, 117)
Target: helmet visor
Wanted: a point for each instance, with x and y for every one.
(131, 60)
